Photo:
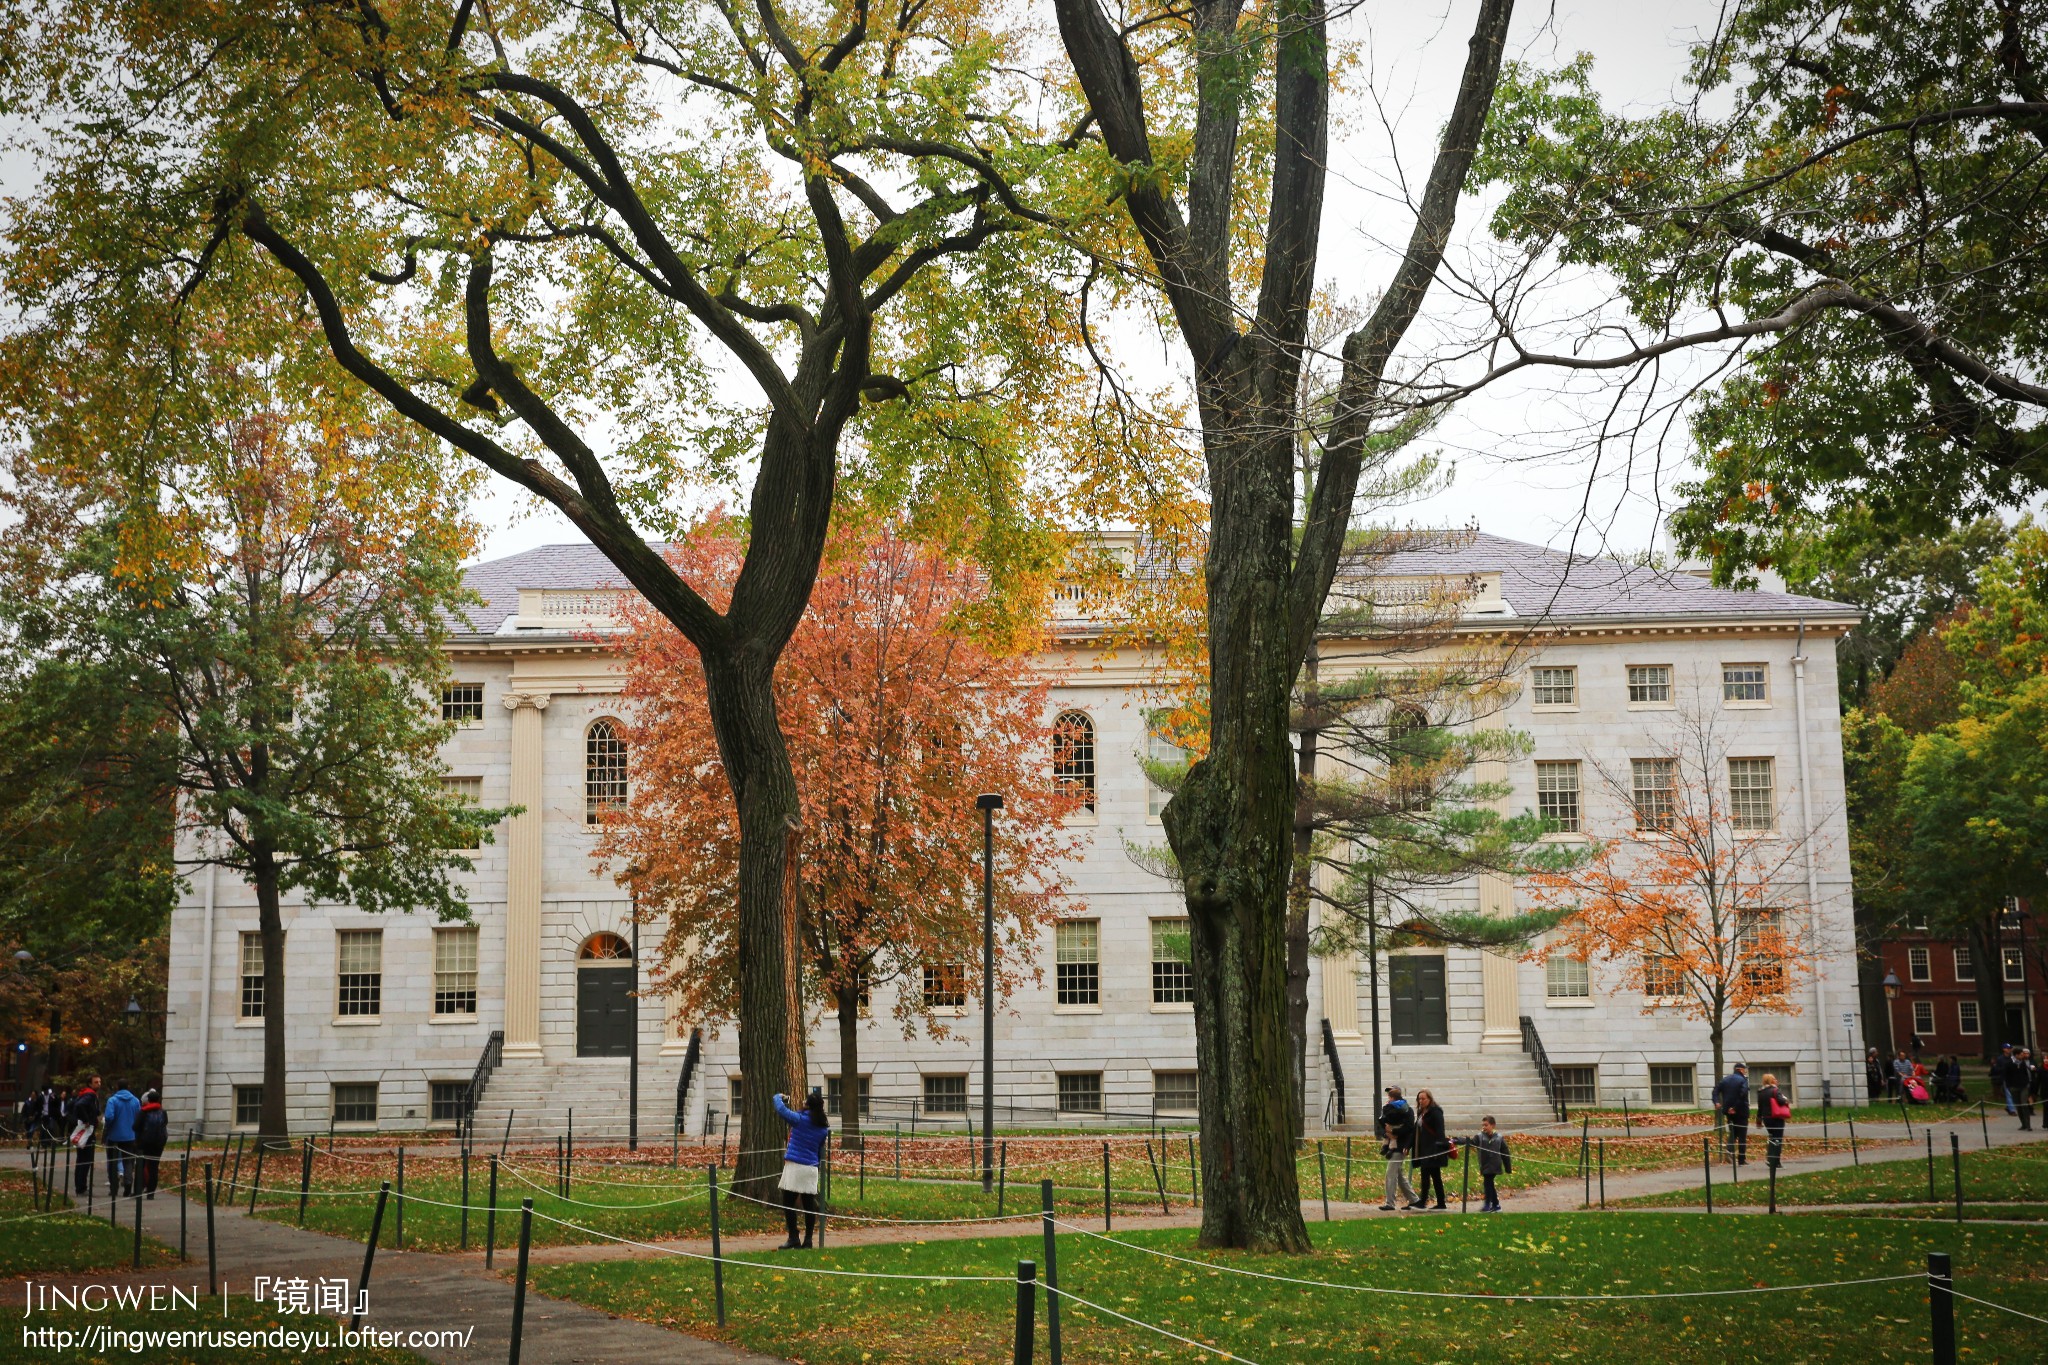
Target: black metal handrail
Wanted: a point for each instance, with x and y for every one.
(1552, 1087)
(494, 1054)
(1336, 1068)
(690, 1059)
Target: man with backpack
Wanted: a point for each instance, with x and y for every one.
(152, 1132)
(1731, 1101)
(119, 1133)
(1397, 1140)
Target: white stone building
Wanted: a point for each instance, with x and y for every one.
(389, 1015)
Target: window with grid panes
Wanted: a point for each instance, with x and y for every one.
(2015, 967)
(735, 1094)
(1578, 1084)
(1649, 684)
(470, 792)
(1173, 979)
(355, 1102)
(1073, 756)
(1567, 978)
(1557, 794)
(604, 772)
(1662, 978)
(1655, 782)
(1554, 686)
(1744, 682)
(1673, 1085)
(1752, 800)
(455, 971)
(462, 703)
(1967, 1017)
(359, 983)
(1918, 965)
(1966, 966)
(1759, 939)
(945, 987)
(1923, 1018)
(1175, 1092)
(1080, 1092)
(447, 1101)
(252, 976)
(248, 1106)
(945, 1094)
(1077, 964)
(835, 1095)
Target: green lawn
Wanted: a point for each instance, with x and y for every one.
(243, 1315)
(2002, 1175)
(36, 1243)
(859, 1321)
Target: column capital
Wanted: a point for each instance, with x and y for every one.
(537, 700)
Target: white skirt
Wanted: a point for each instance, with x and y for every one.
(799, 1179)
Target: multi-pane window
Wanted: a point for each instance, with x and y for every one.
(462, 703)
(2015, 967)
(1662, 977)
(1744, 682)
(252, 976)
(1923, 1017)
(470, 792)
(1918, 965)
(945, 987)
(1760, 941)
(1557, 794)
(1649, 684)
(1173, 979)
(1080, 1092)
(945, 1094)
(1073, 756)
(1077, 962)
(1655, 781)
(355, 1102)
(604, 771)
(1577, 1084)
(1160, 749)
(1567, 978)
(1554, 686)
(1673, 1085)
(248, 1106)
(1967, 1017)
(835, 1093)
(735, 1093)
(863, 994)
(1175, 1092)
(359, 982)
(455, 971)
(1966, 966)
(448, 1102)
(1752, 798)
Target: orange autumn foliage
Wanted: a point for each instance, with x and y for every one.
(896, 719)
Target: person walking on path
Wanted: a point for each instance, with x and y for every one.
(1397, 1140)
(1494, 1161)
(84, 1115)
(1774, 1109)
(152, 1132)
(1873, 1074)
(1432, 1149)
(2019, 1087)
(1731, 1102)
(119, 1135)
(807, 1134)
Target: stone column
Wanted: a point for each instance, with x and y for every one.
(1501, 1030)
(1340, 995)
(525, 840)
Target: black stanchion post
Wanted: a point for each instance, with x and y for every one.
(1930, 1165)
(1195, 1179)
(1627, 1127)
(1052, 1274)
(184, 1199)
(465, 1198)
(1002, 1177)
(1603, 1173)
(212, 1276)
(235, 1177)
(1159, 1176)
(1323, 1179)
(569, 1156)
(1027, 1284)
(305, 1176)
(1465, 1183)
(256, 1184)
(863, 1168)
(1907, 1115)
(1707, 1167)
(1771, 1169)
(1823, 1120)
(717, 1250)
(137, 1263)
(1941, 1307)
(1855, 1157)
(824, 1195)
(899, 1149)
(519, 1281)
(1105, 1187)
(355, 1315)
(1985, 1125)
(1955, 1162)
(491, 1218)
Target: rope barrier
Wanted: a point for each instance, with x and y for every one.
(1150, 1327)
(837, 1216)
(779, 1266)
(1999, 1306)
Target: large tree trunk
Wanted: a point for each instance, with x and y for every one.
(1984, 952)
(1300, 886)
(849, 1068)
(263, 872)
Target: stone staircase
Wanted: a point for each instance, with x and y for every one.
(538, 1097)
(1467, 1084)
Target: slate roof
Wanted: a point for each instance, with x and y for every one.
(575, 565)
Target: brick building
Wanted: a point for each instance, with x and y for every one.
(1931, 990)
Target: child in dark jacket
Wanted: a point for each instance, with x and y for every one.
(1494, 1160)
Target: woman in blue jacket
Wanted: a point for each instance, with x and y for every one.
(808, 1132)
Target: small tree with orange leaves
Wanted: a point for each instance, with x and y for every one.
(897, 718)
(1703, 913)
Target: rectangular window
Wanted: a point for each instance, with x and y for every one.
(252, 976)
(455, 971)
(735, 1094)
(1567, 978)
(448, 1102)
(1656, 791)
(2015, 967)
(470, 792)
(355, 1102)
(1760, 943)
(863, 995)
(1173, 979)
(945, 1094)
(1649, 684)
(1744, 682)
(1918, 966)
(1966, 966)
(248, 1106)
(945, 987)
(1662, 978)
(1077, 964)
(834, 1092)
(463, 703)
(1080, 1092)
(1923, 1018)
(1752, 799)
(1554, 686)
(1578, 1084)
(1673, 1085)
(359, 958)
(1966, 1017)
(1160, 750)
(1557, 794)
(1175, 1092)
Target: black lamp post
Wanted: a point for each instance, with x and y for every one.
(989, 803)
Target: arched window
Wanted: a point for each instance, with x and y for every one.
(604, 947)
(1073, 756)
(604, 771)
(1409, 755)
